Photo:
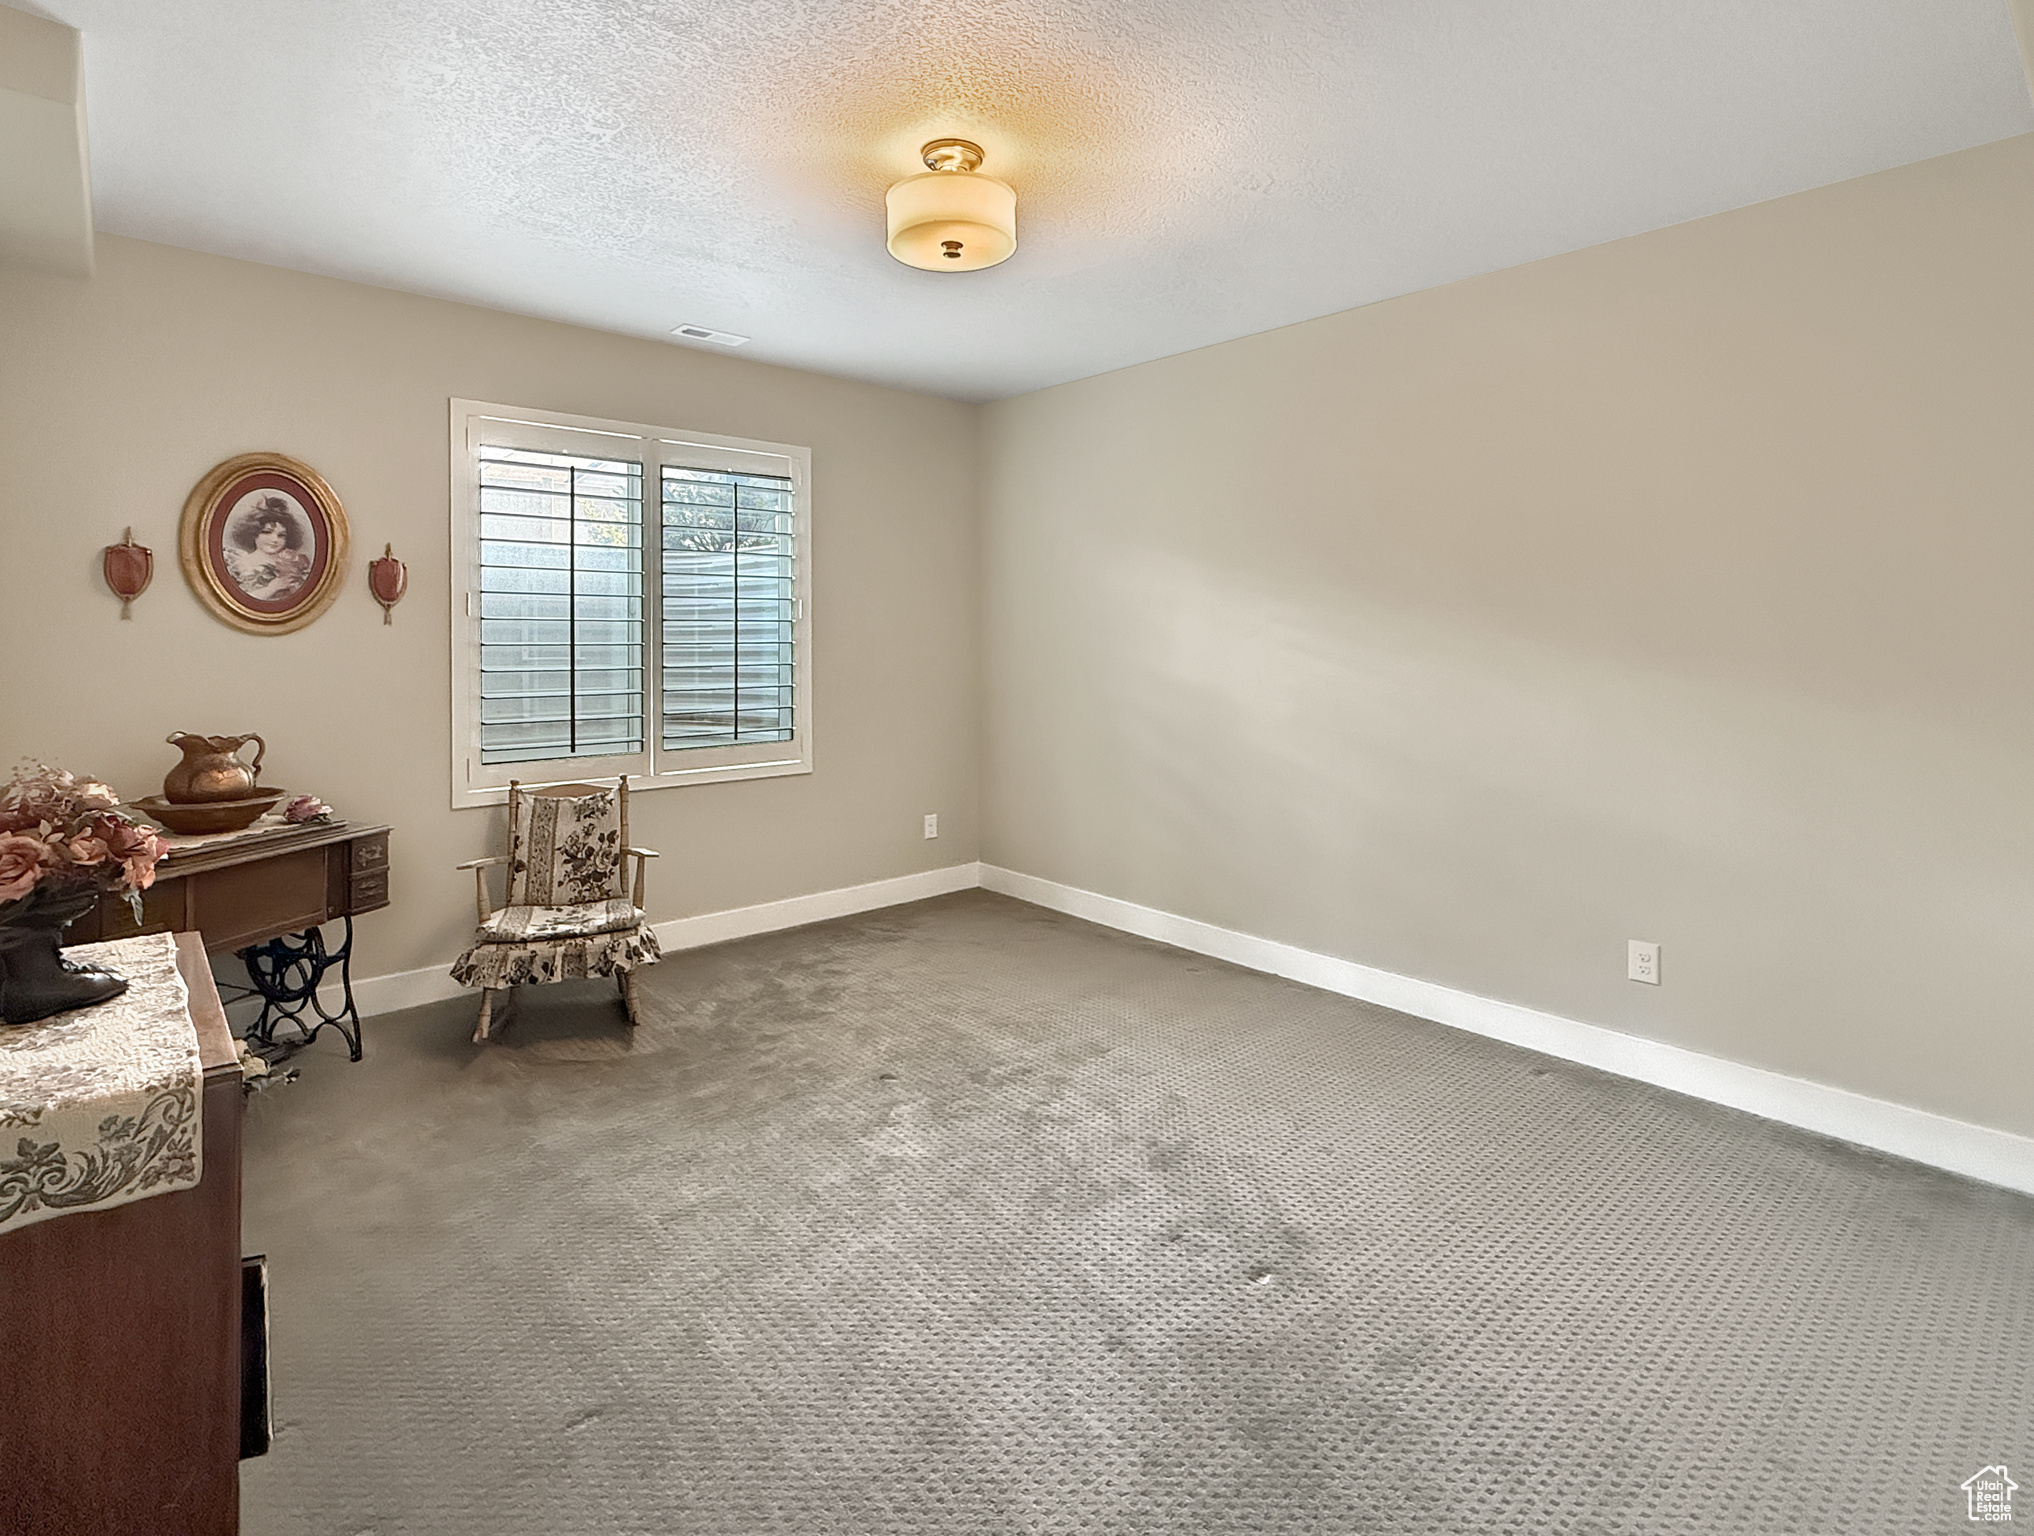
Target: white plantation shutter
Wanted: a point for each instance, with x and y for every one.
(561, 606)
(728, 604)
(633, 602)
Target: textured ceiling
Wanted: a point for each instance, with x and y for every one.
(1187, 170)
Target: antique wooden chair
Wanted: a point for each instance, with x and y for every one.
(570, 911)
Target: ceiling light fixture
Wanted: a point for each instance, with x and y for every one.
(949, 218)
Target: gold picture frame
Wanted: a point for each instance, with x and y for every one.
(264, 542)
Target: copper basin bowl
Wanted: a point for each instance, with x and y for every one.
(208, 815)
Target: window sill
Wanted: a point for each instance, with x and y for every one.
(466, 798)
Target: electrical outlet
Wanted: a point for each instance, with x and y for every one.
(932, 826)
(1642, 961)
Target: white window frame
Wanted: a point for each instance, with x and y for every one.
(475, 422)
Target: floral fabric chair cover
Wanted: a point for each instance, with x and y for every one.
(567, 914)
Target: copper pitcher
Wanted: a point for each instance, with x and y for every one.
(211, 770)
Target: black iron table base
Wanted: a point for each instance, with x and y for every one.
(286, 973)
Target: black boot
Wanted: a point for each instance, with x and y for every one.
(35, 978)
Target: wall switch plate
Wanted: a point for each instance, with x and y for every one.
(1642, 961)
(932, 826)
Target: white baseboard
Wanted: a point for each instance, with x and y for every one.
(797, 911)
(434, 983)
(1979, 1152)
(403, 989)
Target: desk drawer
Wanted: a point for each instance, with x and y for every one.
(370, 853)
(368, 892)
(256, 901)
(162, 911)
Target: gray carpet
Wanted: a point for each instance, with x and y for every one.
(967, 1217)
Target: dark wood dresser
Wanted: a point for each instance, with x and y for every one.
(120, 1339)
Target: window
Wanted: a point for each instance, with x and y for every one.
(626, 599)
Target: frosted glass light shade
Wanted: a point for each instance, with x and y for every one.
(952, 221)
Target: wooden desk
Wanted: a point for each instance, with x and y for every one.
(241, 892)
(120, 1333)
(249, 894)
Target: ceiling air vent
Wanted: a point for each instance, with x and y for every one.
(708, 334)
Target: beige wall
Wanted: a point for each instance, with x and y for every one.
(1678, 589)
(118, 393)
(1675, 589)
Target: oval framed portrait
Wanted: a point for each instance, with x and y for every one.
(263, 543)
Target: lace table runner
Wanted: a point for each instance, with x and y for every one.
(101, 1106)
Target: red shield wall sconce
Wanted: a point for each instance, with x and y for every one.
(387, 578)
(129, 568)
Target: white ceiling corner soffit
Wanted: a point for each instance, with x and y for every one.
(1186, 171)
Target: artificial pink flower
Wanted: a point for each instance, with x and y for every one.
(138, 868)
(70, 824)
(21, 864)
(120, 835)
(18, 815)
(36, 795)
(91, 795)
(87, 849)
(305, 808)
(136, 847)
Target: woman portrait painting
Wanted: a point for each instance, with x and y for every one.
(266, 538)
(263, 543)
